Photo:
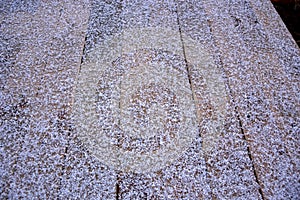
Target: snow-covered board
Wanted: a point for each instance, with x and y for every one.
(174, 99)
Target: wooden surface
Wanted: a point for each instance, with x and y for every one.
(215, 83)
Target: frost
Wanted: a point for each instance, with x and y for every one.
(147, 100)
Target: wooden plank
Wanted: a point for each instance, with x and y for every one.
(225, 149)
(42, 54)
(159, 40)
(263, 93)
(87, 176)
(142, 35)
(173, 100)
(142, 22)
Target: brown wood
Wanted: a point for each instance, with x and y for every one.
(87, 88)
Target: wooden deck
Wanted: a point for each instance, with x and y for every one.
(148, 100)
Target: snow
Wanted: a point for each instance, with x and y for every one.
(147, 100)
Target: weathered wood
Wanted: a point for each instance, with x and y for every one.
(230, 166)
(263, 92)
(148, 100)
(43, 44)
